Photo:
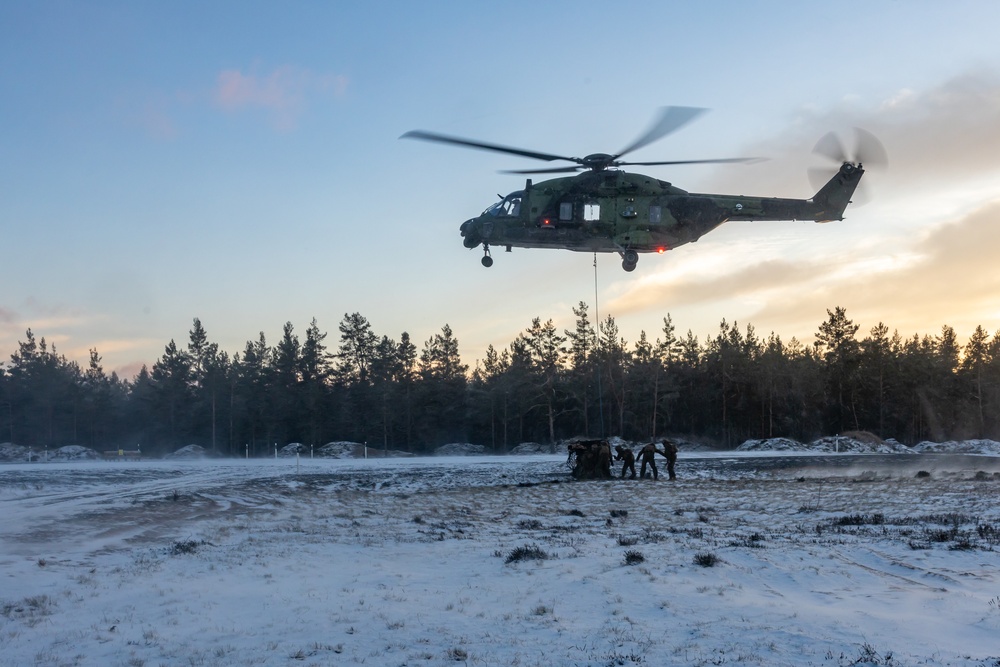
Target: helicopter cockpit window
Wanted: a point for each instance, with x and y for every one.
(510, 206)
(566, 210)
(655, 214)
(591, 212)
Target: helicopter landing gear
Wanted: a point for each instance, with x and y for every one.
(629, 259)
(487, 260)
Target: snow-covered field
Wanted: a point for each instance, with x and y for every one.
(747, 559)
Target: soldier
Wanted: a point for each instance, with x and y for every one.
(670, 451)
(648, 456)
(583, 459)
(625, 454)
(604, 461)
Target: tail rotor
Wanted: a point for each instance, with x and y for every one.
(868, 152)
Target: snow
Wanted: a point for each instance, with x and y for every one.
(188, 452)
(858, 443)
(965, 447)
(820, 560)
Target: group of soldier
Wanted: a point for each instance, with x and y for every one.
(593, 459)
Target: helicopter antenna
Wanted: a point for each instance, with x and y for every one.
(597, 320)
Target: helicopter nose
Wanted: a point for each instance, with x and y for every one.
(470, 231)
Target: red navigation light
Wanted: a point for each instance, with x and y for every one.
(661, 250)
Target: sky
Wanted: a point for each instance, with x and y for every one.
(240, 163)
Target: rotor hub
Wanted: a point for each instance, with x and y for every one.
(597, 161)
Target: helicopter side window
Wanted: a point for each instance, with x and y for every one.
(591, 212)
(566, 210)
(655, 214)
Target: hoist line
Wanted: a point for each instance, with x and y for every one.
(597, 341)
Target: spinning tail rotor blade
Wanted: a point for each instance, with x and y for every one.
(818, 176)
(830, 147)
(869, 151)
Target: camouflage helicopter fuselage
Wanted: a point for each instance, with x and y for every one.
(616, 211)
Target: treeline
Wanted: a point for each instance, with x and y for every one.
(544, 386)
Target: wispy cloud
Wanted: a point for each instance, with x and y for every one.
(936, 137)
(283, 91)
(154, 113)
(948, 275)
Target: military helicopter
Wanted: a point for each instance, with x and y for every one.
(605, 209)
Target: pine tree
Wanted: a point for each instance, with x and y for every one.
(975, 358)
(583, 372)
(172, 378)
(546, 357)
(835, 341)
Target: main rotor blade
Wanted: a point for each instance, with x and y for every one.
(748, 160)
(554, 170)
(445, 139)
(670, 120)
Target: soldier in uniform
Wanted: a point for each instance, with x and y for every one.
(625, 454)
(670, 451)
(604, 461)
(648, 456)
(584, 460)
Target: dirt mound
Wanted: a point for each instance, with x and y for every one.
(460, 449)
(987, 447)
(73, 453)
(188, 452)
(853, 442)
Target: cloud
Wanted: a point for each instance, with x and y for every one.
(955, 280)
(938, 136)
(282, 92)
(153, 113)
(947, 275)
(157, 122)
(698, 288)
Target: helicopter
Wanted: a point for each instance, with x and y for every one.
(606, 209)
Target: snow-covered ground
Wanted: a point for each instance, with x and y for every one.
(747, 559)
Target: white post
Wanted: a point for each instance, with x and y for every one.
(275, 451)
(310, 451)
(247, 445)
(296, 461)
(366, 449)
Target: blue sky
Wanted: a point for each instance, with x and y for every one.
(239, 162)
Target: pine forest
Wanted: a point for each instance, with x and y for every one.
(544, 386)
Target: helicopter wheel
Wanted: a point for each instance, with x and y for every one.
(487, 261)
(629, 259)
